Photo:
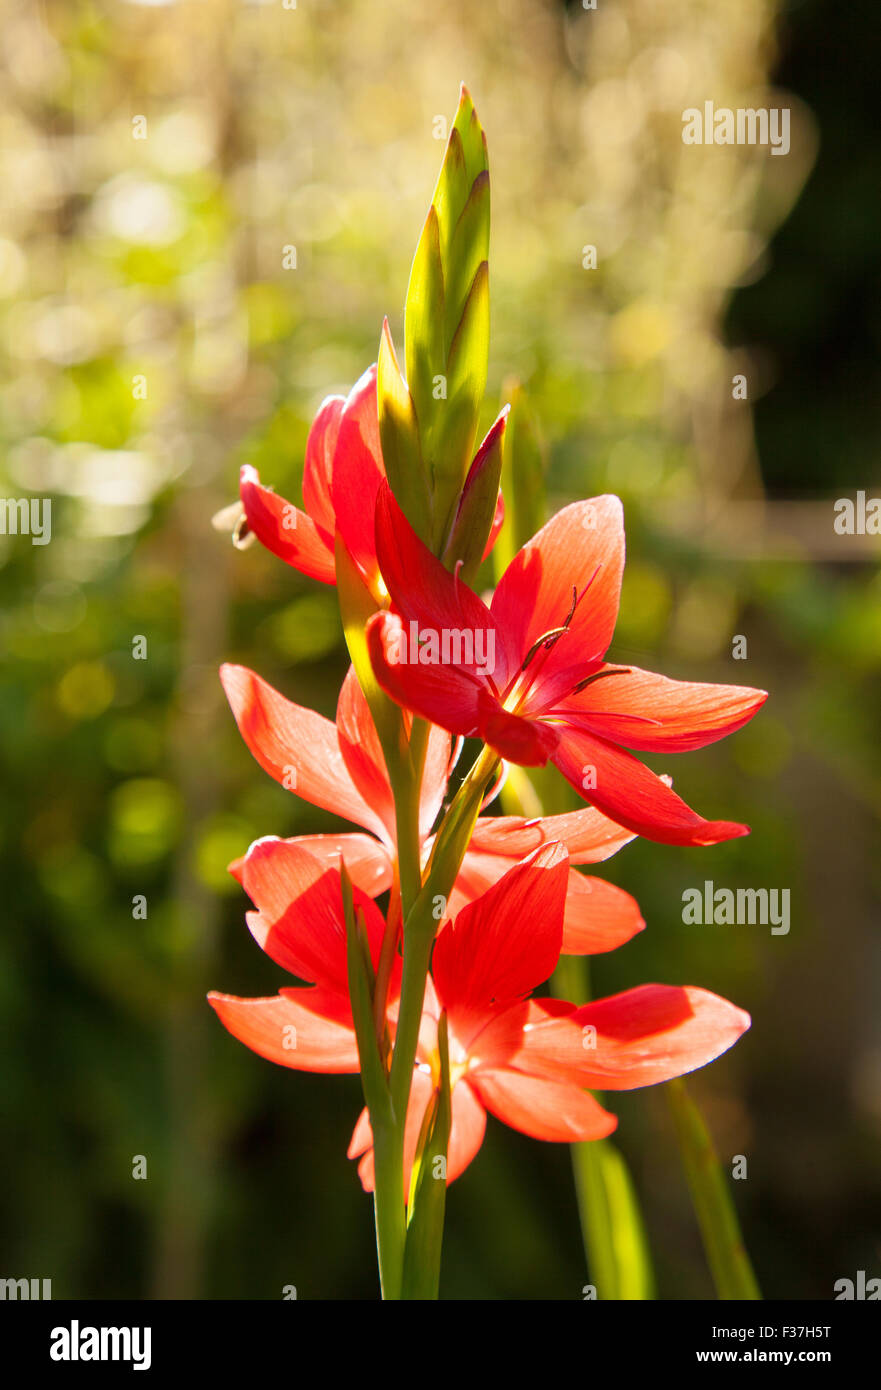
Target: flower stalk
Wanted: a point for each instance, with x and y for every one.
(399, 513)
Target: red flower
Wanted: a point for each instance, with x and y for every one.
(299, 922)
(342, 474)
(550, 694)
(340, 767)
(529, 1062)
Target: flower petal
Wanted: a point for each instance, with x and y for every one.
(656, 1032)
(368, 860)
(443, 694)
(435, 777)
(426, 594)
(292, 1029)
(362, 751)
(599, 916)
(497, 523)
(628, 792)
(358, 470)
(651, 713)
(544, 1109)
(506, 942)
(299, 920)
(638, 1038)
(580, 548)
(285, 530)
(588, 835)
(518, 739)
(296, 746)
(318, 466)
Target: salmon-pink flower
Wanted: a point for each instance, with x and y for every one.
(550, 693)
(340, 767)
(529, 1062)
(299, 923)
(342, 473)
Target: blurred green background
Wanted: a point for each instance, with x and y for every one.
(153, 341)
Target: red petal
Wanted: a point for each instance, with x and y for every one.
(637, 1038)
(427, 594)
(582, 547)
(588, 835)
(362, 752)
(434, 778)
(358, 470)
(497, 524)
(296, 746)
(318, 467)
(599, 916)
(292, 1029)
(299, 922)
(544, 1109)
(466, 1131)
(443, 694)
(628, 792)
(507, 942)
(646, 711)
(285, 530)
(520, 740)
(368, 861)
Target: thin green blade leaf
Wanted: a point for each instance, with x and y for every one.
(713, 1204)
(425, 1229)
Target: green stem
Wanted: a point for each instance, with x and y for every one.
(388, 952)
(612, 1227)
(388, 1206)
(388, 1198)
(407, 790)
(420, 922)
(428, 1188)
(726, 1253)
(388, 1104)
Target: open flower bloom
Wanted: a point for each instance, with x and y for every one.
(529, 1061)
(342, 473)
(299, 922)
(538, 687)
(340, 767)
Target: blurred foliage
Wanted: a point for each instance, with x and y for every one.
(156, 334)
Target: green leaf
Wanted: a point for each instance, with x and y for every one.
(424, 319)
(469, 350)
(713, 1204)
(452, 188)
(399, 434)
(472, 136)
(468, 247)
(373, 1077)
(446, 321)
(428, 1188)
(477, 506)
(612, 1227)
(452, 442)
(614, 1235)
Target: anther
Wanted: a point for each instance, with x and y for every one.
(598, 676)
(547, 639)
